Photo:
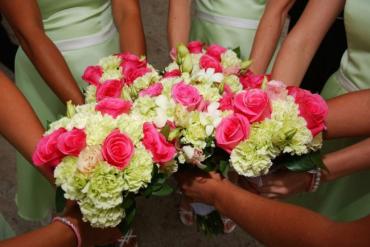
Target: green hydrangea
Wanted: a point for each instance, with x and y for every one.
(139, 173)
(105, 186)
(101, 218)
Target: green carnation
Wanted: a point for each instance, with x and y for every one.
(90, 94)
(131, 125)
(98, 128)
(230, 59)
(233, 82)
(145, 106)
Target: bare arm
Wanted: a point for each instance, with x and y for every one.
(127, 16)
(272, 222)
(302, 42)
(178, 27)
(25, 19)
(19, 124)
(268, 34)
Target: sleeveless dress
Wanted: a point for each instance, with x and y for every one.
(347, 198)
(230, 23)
(83, 31)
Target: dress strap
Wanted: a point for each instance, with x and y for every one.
(89, 40)
(227, 20)
(345, 82)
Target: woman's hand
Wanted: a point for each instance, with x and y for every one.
(283, 184)
(200, 186)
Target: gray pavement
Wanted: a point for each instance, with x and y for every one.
(157, 222)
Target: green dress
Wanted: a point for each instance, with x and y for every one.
(230, 23)
(5, 230)
(347, 198)
(83, 31)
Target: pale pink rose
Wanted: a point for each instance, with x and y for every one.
(231, 131)
(203, 105)
(195, 47)
(118, 149)
(162, 150)
(130, 75)
(47, 152)
(110, 88)
(216, 51)
(250, 80)
(276, 90)
(172, 73)
(312, 107)
(186, 95)
(92, 75)
(72, 142)
(152, 91)
(226, 102)
(254, 104)
(113, 106)
(207, 62)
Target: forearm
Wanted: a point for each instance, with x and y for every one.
(300, 46)
(279, 224)
(340, 122)
(56, 234)
(19, 124)
(178, 27)
(127, 16)
(268, 34)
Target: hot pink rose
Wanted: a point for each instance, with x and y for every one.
(172, 73)
(254, 104)
(195, 47)
(118, 149)
(207, 62)
(276, 90)
(72, 142)
(312, 107)
(110, 88)
(226, 102)
(92, 75)
(186, 95)
(156, 143)
(250, 80)
(113, 106)
(231, 131)
(131, 61)
(47, 152)
(152, 91)
(130, 75)
(216, 51)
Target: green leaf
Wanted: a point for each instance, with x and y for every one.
(224, 168)
(210, 224)
(126, 224)
(60, 201)
(165, 190)
(165, 131)
(305, 162)
(237, 51)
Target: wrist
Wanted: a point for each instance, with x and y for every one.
(70, 228)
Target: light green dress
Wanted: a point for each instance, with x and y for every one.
(230, 23)
(83, 30)
(347, 198)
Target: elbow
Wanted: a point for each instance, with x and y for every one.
(29, 38)
(279, 8)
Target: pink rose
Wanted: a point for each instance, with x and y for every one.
(113, 106)
(156, 143)
(216, 51)
(231, 131)
(186, 95)
(92, 75)
(312, 107)
(195, 47)
(207, 62)
(131, 61)
(152, 91)
(250, 80)
(118, 149)
(130, 75)
(226, 102)
(276, 90)
(254, 104)
(72, 142)
(47, 152)
(172, 73)
(110, 88)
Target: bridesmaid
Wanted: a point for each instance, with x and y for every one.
(58, 40)
(347, 198)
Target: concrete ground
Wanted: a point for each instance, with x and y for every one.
(157, 222)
